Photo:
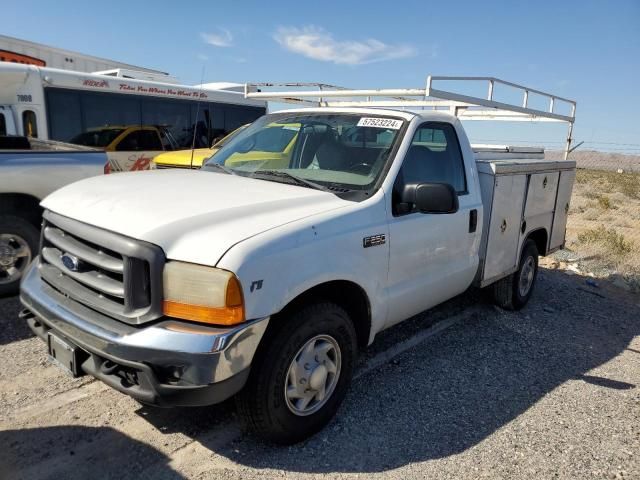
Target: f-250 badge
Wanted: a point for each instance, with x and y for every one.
(374, 240)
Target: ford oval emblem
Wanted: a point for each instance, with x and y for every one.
(70, 261)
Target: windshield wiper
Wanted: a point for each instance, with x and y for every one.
(220, 167)
(291, 179)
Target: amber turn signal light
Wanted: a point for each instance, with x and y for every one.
(202, 294)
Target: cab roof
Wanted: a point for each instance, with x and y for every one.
(404, 114)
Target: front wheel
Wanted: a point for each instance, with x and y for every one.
(513, 292)
(301, 375)
(18, 245)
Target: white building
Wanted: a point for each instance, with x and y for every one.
(22, 51)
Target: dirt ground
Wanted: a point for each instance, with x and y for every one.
(463, 391)
(603, 229)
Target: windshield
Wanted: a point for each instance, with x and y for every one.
(342, 150)
(227, 138)
(97, 138)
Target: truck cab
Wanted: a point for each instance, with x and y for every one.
(262, 279)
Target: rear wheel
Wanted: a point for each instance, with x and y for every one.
(301, 375)
(18, 244)
(513, 292)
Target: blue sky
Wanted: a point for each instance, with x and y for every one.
(587, 50)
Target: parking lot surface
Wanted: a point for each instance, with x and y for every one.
(462, 391)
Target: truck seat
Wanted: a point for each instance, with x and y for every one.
(424, 165)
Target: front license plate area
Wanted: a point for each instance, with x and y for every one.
(64, 354)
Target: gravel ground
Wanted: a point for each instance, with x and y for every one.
(548, 392)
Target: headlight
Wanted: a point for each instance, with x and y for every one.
(202, 294)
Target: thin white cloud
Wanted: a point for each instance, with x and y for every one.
(315, 42)
(222, 38)
(201, 56)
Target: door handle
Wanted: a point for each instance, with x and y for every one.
(473, 220)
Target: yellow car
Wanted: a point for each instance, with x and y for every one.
(187, 159)
(128, 147)
(271, 147)
(286, 133)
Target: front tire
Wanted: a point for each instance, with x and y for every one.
(513, 292)
(18, 245)
(301, 375)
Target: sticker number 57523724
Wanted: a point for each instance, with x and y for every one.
(380, 123)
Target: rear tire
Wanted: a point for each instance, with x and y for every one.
(18, 245)
(300, 376)
(513, 292)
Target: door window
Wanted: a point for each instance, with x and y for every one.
(435, 156)
(64, 114)
(29, 126)
(3, 125)
(140, 140)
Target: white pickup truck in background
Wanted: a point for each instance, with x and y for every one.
(30, 169)
(262, 276)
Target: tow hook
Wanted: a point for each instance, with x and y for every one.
(26, 314)
(29, 317)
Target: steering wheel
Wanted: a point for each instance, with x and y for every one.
(371, 167)
(362, 167)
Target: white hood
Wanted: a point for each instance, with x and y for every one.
(193, 215)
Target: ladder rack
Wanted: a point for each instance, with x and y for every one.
(465, 107)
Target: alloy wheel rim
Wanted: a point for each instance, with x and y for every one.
(15, 256)
(313, 375)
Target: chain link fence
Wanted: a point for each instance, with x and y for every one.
(603, 229)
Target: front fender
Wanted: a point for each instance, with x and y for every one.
(277, 266)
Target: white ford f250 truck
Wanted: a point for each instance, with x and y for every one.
(261, 277)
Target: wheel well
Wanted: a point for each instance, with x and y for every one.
(22, 205)
(540, 238)
(346, 294)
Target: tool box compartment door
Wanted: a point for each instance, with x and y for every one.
(565, 185)
(504, 226)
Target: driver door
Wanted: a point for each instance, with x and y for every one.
(433, 257)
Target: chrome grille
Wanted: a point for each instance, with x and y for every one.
(112, 274)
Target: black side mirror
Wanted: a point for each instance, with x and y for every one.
(431, 197)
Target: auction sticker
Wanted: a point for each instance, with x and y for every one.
(380, 123)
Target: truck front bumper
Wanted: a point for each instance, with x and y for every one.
(167, 363)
